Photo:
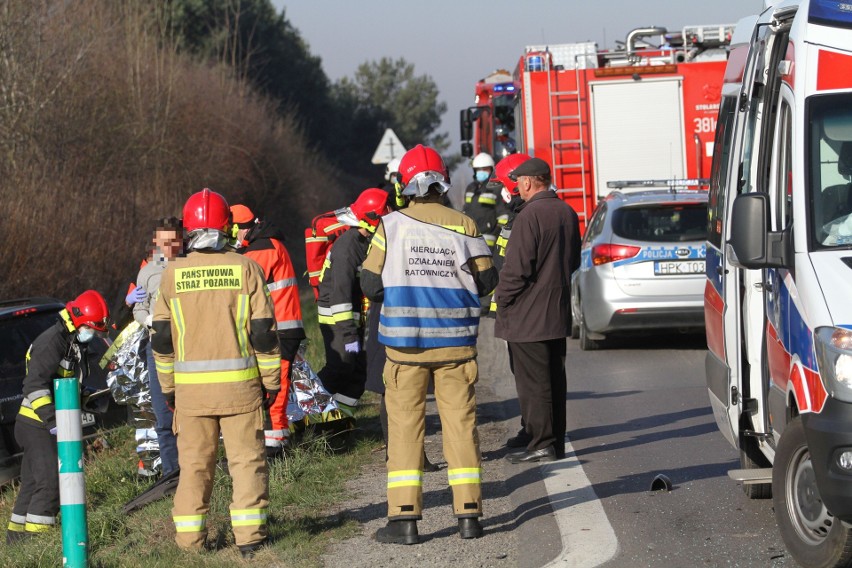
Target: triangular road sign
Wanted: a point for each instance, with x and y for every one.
(389, 148)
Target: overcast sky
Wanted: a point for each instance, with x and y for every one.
(458, 42)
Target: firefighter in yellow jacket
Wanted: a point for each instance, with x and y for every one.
(218, 362)
(429, 264)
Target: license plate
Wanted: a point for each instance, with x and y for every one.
(676, 267)
(88, 419)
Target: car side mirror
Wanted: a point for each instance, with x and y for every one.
(467, 149)
(754, 245)
(466, 124)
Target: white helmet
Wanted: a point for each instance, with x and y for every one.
(392, 168)
(482, 160)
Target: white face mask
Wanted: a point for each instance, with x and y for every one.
(85, 334)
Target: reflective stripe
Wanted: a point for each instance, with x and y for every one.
(455, 228)
(286, 283)
(464, 475)
(502, 219)
(36, 395)
(289, 324)
(412, 312)
(316, 239)
(37, 528)
(347, 400)
(405, 478)
(177, 316)
(242, 320)
(337, 308)
(315, 273)
(167, 368)
(40, 519)
(190, 523)
(378, 242)
(437, 332)
(346, 316)
(326, 319)
(41, 401)
(15, 527)
(72, 489)
(216, 377)
(28, 412)
(268, 362)
(323, 311)
(18, 519)
(216, 365)
(488, 198)
(248, 517)
(468, 197)
(489, 240)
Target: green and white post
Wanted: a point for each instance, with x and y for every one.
(72, 485)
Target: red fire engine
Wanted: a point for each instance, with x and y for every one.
(642, 116)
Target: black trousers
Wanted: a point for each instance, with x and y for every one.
(539, 368)
(344, 373)
(38, 499)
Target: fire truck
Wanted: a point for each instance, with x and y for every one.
(640, 116)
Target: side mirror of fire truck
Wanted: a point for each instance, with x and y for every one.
(466, 127)
(753, 244)
(467, 150)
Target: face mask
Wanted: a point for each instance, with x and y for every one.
(482, 177)
(85, 334)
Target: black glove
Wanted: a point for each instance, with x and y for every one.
(270, 398)
(170, 400)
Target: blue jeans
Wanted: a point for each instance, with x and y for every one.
(165, 436)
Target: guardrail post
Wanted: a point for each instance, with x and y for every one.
(72, 485)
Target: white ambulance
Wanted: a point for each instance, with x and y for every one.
(778, 297)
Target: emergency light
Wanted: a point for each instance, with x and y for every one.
(504, 88)
(830, 13)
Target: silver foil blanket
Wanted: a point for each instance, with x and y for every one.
(309, 402)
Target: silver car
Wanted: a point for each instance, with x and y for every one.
(642, 266)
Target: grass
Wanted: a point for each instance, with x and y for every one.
(303, 486)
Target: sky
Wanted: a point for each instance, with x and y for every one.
(458, 42)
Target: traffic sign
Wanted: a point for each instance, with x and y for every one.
(389, 148)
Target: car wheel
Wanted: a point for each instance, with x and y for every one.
(752, 458)
(586, 343)
(810, 532)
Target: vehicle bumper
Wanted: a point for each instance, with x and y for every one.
(828, 434)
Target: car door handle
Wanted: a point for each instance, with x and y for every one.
(720, 271)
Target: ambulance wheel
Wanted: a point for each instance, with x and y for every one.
(752, 458)
(586, 343)
(810, 532)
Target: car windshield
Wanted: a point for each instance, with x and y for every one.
(660, 223)
(830, 163)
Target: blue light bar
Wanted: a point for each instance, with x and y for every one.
(830, 13)
(504, 88)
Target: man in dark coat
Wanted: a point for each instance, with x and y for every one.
(533, 308)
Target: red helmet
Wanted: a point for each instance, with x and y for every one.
(205, 210)
(421, 159)
(501, 174)
(370, 206)
(89, 309)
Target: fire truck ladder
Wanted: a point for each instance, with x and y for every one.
(575, 123)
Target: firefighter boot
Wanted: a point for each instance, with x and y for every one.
(248, 551)
(398, 532)
(470, 527)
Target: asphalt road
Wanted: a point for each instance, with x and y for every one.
(639, 409)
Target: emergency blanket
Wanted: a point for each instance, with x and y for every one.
(309, 402)
(128, 383)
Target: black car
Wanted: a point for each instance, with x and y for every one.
(21, 321)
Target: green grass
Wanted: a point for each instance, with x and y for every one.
(304, 486)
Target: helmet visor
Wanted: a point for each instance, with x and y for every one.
(420, 184)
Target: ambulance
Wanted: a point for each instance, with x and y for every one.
(778, 295)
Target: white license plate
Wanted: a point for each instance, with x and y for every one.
(88, 419)
(675, 267)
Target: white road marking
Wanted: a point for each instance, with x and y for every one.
(587, 537)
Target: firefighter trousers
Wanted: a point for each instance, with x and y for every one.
(405, 397)
(277, 434)
(344, 374)
(198, 445)
(37, 504)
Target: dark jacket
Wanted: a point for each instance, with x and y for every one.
(533, 296)
(54, 353)
(340, 294)
(486, 207)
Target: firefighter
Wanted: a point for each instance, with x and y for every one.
(340, 301)
(263, 242)
(481, 203)
(429, 264)
(219, 364)
(60, 351)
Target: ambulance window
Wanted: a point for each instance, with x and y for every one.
(830, 168)
(783, 195)
(720, 170)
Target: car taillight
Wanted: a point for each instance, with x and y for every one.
(602, 254)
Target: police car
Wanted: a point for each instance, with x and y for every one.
(642, 266)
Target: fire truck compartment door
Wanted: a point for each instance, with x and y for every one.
(638, 131)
